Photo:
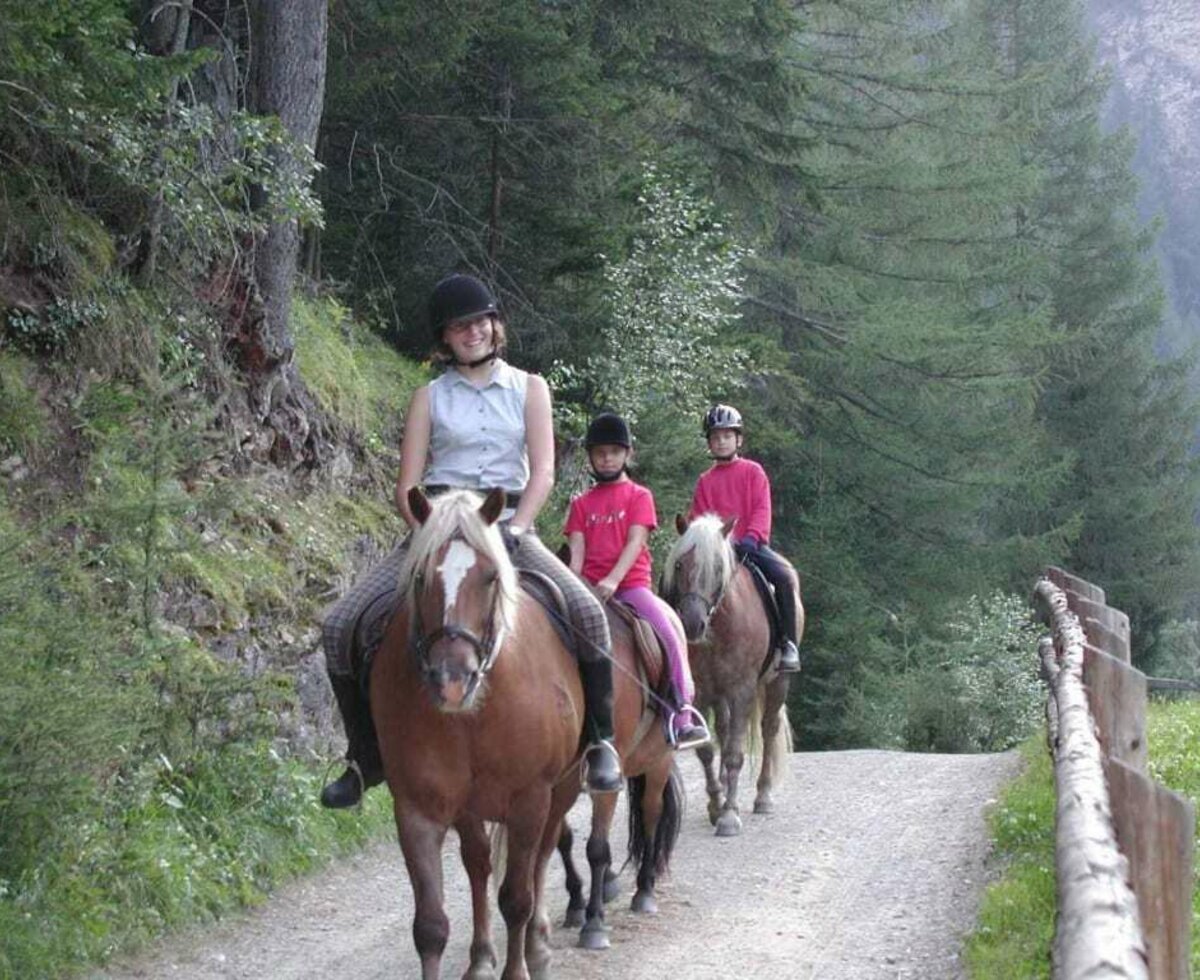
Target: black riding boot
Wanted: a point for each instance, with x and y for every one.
(789, 658)
(601, 763)
(364, 768)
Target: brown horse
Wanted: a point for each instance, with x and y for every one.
(479, 708)
(655, 793)
(729, 643)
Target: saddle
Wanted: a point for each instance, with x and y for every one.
(651, 655)
(766, 593)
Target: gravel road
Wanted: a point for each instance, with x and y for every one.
(871, 867)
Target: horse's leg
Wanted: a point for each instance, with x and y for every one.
(594, 934)
(476, 852)
(566, 841)
(774, 741)
(707, 756)
(729, 823)
(654, 787)
(537, 935)
(421, 841)
(526, 825)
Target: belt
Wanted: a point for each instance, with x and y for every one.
(511, 500)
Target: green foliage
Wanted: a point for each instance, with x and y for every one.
(1173, 737)
(354, 374)
(1176, 651)
(977, 690)
(143, 783)
(671, 341)
(1016, 920)
(22, 420)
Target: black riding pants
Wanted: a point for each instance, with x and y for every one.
(776, 571)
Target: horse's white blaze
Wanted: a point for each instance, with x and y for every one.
(459, 559)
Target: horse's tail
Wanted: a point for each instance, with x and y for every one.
(670, 822)
(776, 754)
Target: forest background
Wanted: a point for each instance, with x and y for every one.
(895, 235)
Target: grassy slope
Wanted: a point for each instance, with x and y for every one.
(1016, 922)
(143, 780)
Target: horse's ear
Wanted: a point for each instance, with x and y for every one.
(680, 524)
(727, 525)
(418, 503)
(492, 506)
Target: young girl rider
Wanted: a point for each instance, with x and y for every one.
(607, 530)
(739, 488)
(481, 424)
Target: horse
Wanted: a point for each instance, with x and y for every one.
(729, 646)
(655, 798)
(479, 710)
(478, 707)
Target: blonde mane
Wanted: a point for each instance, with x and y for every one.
(714, 561)
(456, 514)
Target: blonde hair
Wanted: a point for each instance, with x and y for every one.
(456, 515)
(714, 560)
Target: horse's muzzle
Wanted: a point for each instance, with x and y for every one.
(453, 688)
(693, 613)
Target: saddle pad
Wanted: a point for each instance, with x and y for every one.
(650, 652)
(549, 596)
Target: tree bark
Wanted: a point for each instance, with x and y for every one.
(287, 79)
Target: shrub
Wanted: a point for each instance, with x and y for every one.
(977, 689)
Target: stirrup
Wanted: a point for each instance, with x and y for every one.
(695, 740)
(585, 767)
(355, 769)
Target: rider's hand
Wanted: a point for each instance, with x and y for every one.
(606, 587)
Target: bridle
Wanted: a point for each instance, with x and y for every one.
(422, 641)
(711, 604)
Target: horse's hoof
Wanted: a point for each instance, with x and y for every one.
(594, 935)
(538, 966)
(573, 919)
(729, 824)
(764, 804)
(612, 887)
(644, 902)
(714, 811)
(483, 964)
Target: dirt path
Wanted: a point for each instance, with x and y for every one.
(871, 867)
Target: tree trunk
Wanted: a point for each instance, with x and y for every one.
(287, 57)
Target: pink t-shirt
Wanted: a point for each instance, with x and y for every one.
(604, 516)
(740, 489)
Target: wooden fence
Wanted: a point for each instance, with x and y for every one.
(1123, 843)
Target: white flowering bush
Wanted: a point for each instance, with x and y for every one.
(977, 690)
(670, 343)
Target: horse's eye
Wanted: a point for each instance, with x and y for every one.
(490, 577)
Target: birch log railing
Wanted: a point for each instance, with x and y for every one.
(1123, 843)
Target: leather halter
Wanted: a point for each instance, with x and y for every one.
(486, 648)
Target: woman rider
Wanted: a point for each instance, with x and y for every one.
(482, 424)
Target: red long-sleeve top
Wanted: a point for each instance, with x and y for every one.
(740, 489)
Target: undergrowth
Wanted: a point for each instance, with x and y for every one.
(147, 774)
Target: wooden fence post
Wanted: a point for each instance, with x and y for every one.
(1117, 696)
(1155, 828)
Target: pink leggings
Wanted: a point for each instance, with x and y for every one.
(666, 624)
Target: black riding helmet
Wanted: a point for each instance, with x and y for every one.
(722, 417)
(457, 297)
(608, 429)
